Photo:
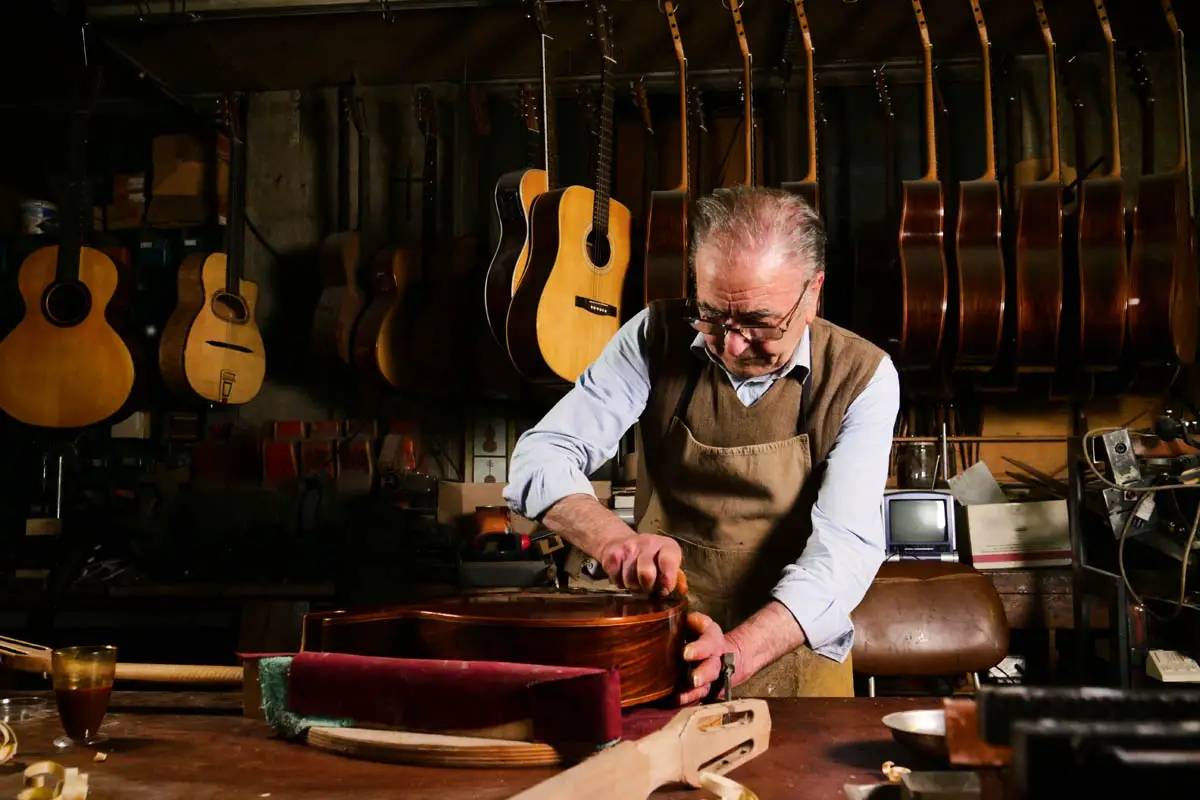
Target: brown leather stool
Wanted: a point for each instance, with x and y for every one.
(929, 618)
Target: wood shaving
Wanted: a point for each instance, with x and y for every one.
(894, 773)
(8, 743)
(100, 757)
(48, 780)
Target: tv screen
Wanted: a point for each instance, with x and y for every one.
(917, 521)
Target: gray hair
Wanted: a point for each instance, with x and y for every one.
(753, 217)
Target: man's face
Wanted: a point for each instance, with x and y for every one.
(753, 287)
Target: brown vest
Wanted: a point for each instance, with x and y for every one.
(842, 365)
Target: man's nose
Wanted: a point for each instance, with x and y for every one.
(735, 343)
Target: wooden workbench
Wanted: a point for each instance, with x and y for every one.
(198, 746)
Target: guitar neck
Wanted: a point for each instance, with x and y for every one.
(1055, 175)
(343, 159)
(748, 89)
(429, 206)
(1114, 117)
(549, 127)
(73, 222)
(604, 150)
(684, 158)
(989, 172)
(1184, 161)
(930, 115)
(810, 78)
(235, 238)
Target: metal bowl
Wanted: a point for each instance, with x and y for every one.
(923, 730)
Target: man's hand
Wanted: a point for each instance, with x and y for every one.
(642, 561)
(706, 654)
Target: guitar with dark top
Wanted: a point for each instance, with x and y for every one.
(211, 347)
(516, 191)
(345, 254)
(807, 187)
(567, 306)
(1039, 260)
(63, 365)
(923, 268)
(666, 264)
(1162, 267)
(979, 248)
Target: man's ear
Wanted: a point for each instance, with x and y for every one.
(814, 294)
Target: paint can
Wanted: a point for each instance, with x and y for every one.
(38, 217)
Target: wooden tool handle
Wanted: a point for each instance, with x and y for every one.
(179, 673)
(624, 771)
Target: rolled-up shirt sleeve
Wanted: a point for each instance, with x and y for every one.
(847, 543)
(581, 432)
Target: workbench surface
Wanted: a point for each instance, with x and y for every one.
(198, 746)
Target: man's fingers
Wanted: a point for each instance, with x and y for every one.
(647, 570)
(711, 642)
(707, 672)
(693, 696)
(668, 559)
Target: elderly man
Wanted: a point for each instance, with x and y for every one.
(765, 440)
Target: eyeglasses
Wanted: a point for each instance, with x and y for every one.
(754, 333)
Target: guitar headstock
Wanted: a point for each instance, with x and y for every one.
(673, 23)
(642, 103)
(697, 107)
(1105, 26)
(230, 109)
(427, 115)
(1139, 76)
(601, 24)
(358, 108)
(1044, 22)
(920, 12)
(527, 104)
(538, 14)
(736, 10)
(885, 97)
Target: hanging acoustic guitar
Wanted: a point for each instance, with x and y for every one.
(807, 186)
(211, 347)
(63, 365)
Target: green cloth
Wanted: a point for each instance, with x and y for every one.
(273, 675)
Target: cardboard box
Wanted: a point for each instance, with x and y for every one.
(190, 180)
(1019, 535)
(457, 502)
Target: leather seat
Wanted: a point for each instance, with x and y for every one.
(929, 618)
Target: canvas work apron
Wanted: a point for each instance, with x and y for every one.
(736, 516)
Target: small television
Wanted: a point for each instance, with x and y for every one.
(920, 524)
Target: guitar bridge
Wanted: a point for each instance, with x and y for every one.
(595, 307)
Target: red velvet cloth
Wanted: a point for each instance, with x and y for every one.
(565, 704)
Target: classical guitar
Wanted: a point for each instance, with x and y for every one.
(978, 246)
(567, 306)
(923, 268)
(751, 174)
(516, 191)
(806, 187)
(666, 263)
(1101, 257)
(211, 347)
(379, 349)
(1039, 260)
(1162, 269)
(345, 254)
(63, 365)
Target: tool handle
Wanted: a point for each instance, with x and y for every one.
(179, 673)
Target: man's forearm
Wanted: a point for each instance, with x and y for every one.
(585, 522)
(765, 636)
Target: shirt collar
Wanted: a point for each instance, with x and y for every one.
(801, 357)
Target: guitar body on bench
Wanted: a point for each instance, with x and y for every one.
(211, 345)
(63, 365)
(567, 308)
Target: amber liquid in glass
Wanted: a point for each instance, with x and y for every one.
(81, 710)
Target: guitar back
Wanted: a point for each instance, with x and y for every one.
(981, 284)
(1103, 273)
(666, 265)
(378, 349)
(515, 193)
(342, 299)
(1039, 274)
(59, 375)
(222, 359)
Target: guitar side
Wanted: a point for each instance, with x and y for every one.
(223, 357)
(566, 309)
(981, 283)
(515, 193)
(923, 274)
(1103, 274)
(342, 299)
(376, 353)
(666, 264)
(55, 376)
(1039, 276)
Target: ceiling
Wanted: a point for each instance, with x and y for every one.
(207, 46)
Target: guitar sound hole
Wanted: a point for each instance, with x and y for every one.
(66, 304)
(231, 308)
(599, 249)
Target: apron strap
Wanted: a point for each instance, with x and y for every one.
(805, 403)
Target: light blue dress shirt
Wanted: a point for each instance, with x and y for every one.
(582, 431)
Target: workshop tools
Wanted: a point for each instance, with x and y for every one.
(28, 657)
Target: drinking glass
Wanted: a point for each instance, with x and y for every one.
(83, 681)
